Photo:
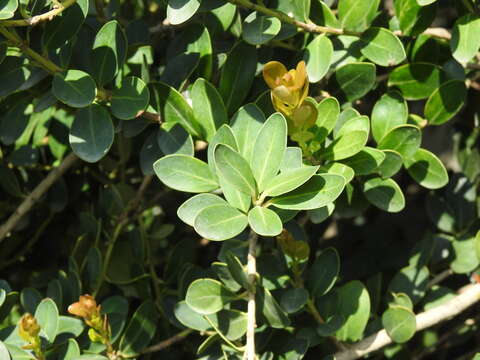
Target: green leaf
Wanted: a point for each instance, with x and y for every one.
(140, 330)
(179, 11)
(359, 123)
(234, 169)
(465, 257)
(47, 317)
(7, 10)
(109, 52)
(246, 124)
(149, 153)
(391, 164)
(319, 191)
(354, 305)
(425, 2)
(188, 211)
(208, 107)
(404, 139)
(289, 180)
(14, 122)
(382, 47)
(354, 80)
(91, 134)
(237, 270)
(324, 272)
(445, 102)
(208, 296)
(292, 159)
(347, 145)
(465, 41)
(9, 181)
(321, 14)
(224, 274)
(294, 300)
(4, 354)
(268, 309)
(68, 327)
(237, 75)
(339, 169)
(185, 173)
(30, 298)
(190, 318)
(427, 169)
(74, 88)
(401, 299)
(116, 308)
(356, 15)
(220, 222)
(231, 323)
(224, 136)
(260, 29)
(366, 161)
(175, 140)
(390, 111)
(328, 113)
(331, 326)
(264, 222)
(411, 281)
(318, 57)
(62, 28)
(384, 194)
(172, 107)
(416, 81)
(317, 216)
(130, 99)
(18, 353)
(13, 74)
(72, 350)
(413, 18)
(269, 149)
(400, 323)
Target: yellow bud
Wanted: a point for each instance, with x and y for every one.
(94, 336)
(28, 327)
(86, 307)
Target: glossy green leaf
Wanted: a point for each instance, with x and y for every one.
(412, 281)
(427, 169)
(391, 164)
(324, 272)
(345, 146)
(259, 29)
(328, 113)
(8, 8)
(445, 102)
(404, 139)
(188, 211)
(317, 216)
(109, 52)
(18, 353)
(401, 299)
(321, 14)
(390, 110)
(269, 310)
(315, 193)
(289, 180)
(425, 2)
(185, 173)
(366, 161)
(237, 75)
(465, 257)
(224, 136)
(359, 123)
(318, 57)
(413, 18)
(400, 323)
(47, 317)
(175, 140)
(465, 41)
(140, 330)
(179, 11)
(268, 150)
(220, 222)
(14, 122)
(190, 318)
(331, 325)
(384, 194)
(294, 300)
(225, 276)
(72, 350)
(356, 15)
(231, 323)
(30, 298)
(91, 134)
(208, 296)
(237, 270)
(354, 80)
(382, 47)
(416, 81)
(74, 88)
(130, 99)
(264, 222)
(339, 169)
(208, 107)
(149, 153)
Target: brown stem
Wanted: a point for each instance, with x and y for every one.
(169, 342)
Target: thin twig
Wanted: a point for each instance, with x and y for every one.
(252, 278)
(467, 297)
(169, 342)
(439, 278)
(36, 194)
(34, 20)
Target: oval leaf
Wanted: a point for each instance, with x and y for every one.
(445, 102)
(220, 222)
(400, 323)
(264, 221)
(208, 296)
(384, 194)
(74, 88)
(427, 169)
(382, 47)
(131, 99)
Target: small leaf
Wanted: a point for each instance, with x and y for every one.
(382, 47)
(391, 164)
(264, 221)
(30, 298)
(427, 169)
(355, 80)
(185, 173)
(208, 296)
(47, 317)
(331, 326)
(269, 310)
(224, 136)
(189, 318)
(384, 194)
(130, 99)
(4, 354)
(465, 257)
(411, 281)
(260, 29)
(179, 11)
(289, 180)
(366, 161)
(292, 159)
(465, 41)
(7, 11)
(390, 111)
(404, 139)
(413, 18)
(339, 169)
(318, 57)
(324, 272)
(328, 113)
(345, 146)
(294, 300)
(416, 81)
(74, 88)
(220, 222)
(189, 210)
(445, 102)
(231, 323)
(72, 350)
(401, 299)
(356, 15)
(175, 140)
(91, 134)
(400, 323)
(237, 270)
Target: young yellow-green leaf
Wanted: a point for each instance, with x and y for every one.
(356, 15)
(47, 317)
(324, 272)
(109, 52)
(347, 145)
(427, 169)
(400, 323)
(382, 47)
(269, 310)
(318, 57)
(269, 149)
(328, 113)
(74, 88)
(234, 169)
(445, 102)
(319, 191)
(339, 169)
(188, 211)
(264, 222)
(220, 222)
(185, 173)
(404, 139)
(175, 140)
(246, 124)
(130, 99)
(208, 108)
(208, 296)
(391, 164)
(289, 180)
(355, 79)
(179, 11)
(416, 81)
(390, 111)
(259, 29)
(91, 134)
(465, 41)
(366, 161)
(384, 194)
(413, 18)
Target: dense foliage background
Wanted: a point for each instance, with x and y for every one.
(320, 219)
